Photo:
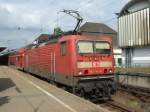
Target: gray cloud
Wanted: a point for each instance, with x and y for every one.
(34, 17)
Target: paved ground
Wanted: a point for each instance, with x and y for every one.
(21, 92)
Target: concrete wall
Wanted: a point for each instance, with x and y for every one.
(134, 81)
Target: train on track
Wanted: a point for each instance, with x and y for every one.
(85, 64)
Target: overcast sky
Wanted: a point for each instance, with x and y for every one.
(21, 21)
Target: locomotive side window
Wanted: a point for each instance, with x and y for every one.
(94, 47)
(63, 48)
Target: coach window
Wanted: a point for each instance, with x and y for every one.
(63, 48)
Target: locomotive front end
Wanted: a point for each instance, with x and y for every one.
(94, 58)
(95, 68)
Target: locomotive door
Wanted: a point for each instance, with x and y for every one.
(64, 61)
(52, 65)
(16, 64)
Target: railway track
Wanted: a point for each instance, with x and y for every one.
(142, 93)
(110, 105)
(116, 107)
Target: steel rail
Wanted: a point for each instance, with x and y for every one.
(119, 106)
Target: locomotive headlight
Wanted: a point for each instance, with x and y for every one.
(80, 73)
(110, 71)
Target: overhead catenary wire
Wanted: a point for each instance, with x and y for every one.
(80, 7)
(105, 5)
(57, 19)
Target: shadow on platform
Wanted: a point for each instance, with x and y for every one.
(6, 83)
(4, 100)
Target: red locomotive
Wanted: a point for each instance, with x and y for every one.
(83, 63)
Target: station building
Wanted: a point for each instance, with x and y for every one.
(3, 58)
(134, 33)
(2, 48)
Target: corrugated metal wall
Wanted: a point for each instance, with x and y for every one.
(134, 29)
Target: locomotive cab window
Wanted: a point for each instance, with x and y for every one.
(93, 47)
(63, 48)
(85, 47)
(102, 47)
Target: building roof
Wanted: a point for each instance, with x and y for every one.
(140, 4)
(100, 28)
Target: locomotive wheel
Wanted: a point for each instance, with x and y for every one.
(64, 88)
(82, 93)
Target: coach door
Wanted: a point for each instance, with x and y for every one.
(16, 61)
(26, 61)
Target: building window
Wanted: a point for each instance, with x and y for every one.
(63, 48)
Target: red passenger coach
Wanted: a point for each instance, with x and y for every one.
(17, 59)
(12, 59)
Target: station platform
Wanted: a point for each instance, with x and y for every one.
(21, 92)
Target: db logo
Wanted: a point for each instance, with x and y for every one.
(95, 64)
